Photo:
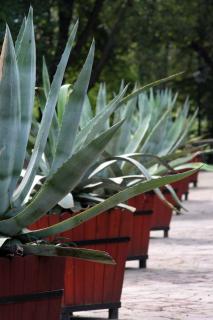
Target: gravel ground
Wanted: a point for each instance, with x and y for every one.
(178, 282)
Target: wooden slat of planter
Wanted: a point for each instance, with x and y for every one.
(122, 251)
(69, 293)
(109, 272)
(79, 273)
(178, 188)
(121, 215)
(146, 227)
(113, 230)
(88, 285)
(4, 287)
(143, 201)
(126, 224)
(29, 278)
(82, 270)
(135, 244)
(185, 185)
(23, 299)
(18, 285)
(102, 225)
(31, 270)
(141, 224)
(56, 275)
(44, 284)
(194, 177)
(116, 216)
(162, 213)
(89, 232)
(99, 278)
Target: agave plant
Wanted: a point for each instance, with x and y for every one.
(17, 89)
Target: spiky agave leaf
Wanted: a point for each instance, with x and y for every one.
(26, 60)
(24, 186)
(9, 117)
(67, 133)
(65, 251)
(109, 203)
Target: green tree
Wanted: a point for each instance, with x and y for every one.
(136, 40)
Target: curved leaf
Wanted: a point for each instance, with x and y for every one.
(9, 119)
(48, 114)
(150, 85)
(26, 60)
(59, 251)
(72, 114)
(108, 204)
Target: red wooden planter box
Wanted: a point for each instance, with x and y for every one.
(194, 177)
(162, 214)
(182, 186)
(90, 285)
(179, 188)
(31, 288)
(139, 243)
(185, 186)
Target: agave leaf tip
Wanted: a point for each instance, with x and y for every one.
(30, 13)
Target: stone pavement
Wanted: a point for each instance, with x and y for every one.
(178, 281)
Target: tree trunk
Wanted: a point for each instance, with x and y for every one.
(65, 12)
(110, 44)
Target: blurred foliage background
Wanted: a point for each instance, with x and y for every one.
(136, 40)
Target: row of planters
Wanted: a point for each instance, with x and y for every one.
(66, 169)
